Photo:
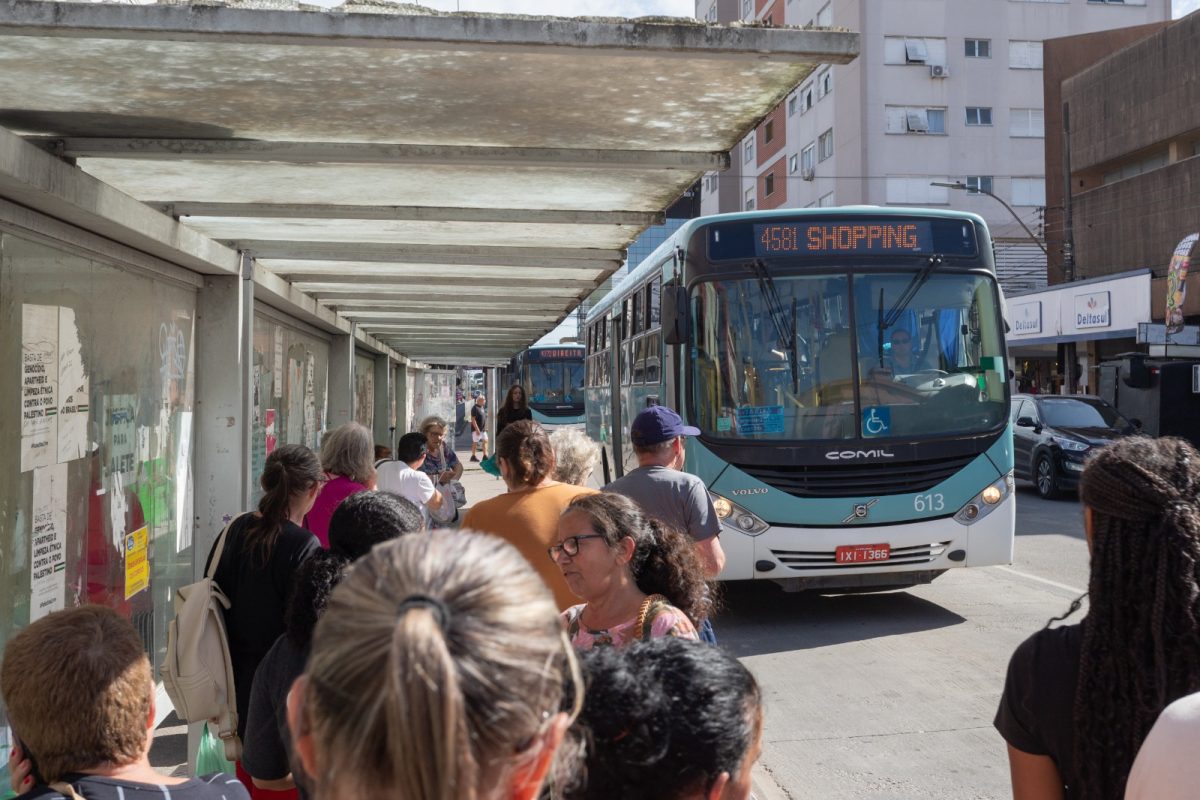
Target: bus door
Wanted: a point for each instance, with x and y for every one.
(620, 425)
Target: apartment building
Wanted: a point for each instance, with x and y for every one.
(944, 91)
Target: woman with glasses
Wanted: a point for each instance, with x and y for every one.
(638, 578)
(260, 553)
(527, 516)
(437, 671)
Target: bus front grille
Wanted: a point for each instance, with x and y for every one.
(569, 411)
(804, 560)
(857, 480)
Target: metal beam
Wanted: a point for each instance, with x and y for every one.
(423, 323)
(417, 292)
(424, 300)
(367, 318)
(379, 154)
(183, 208)
(466, 255)
(429, 281)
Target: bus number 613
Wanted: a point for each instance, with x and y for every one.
(929, 502)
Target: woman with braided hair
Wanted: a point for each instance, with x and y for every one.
(1080, 699)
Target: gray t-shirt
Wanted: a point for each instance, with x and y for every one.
(677, 498)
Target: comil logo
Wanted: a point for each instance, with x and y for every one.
(850, 455)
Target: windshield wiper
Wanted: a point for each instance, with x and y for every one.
(910, 291)
(785, 325)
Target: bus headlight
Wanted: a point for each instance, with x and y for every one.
(736, 517)
(983, 503)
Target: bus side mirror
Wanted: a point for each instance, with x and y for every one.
(674, 314)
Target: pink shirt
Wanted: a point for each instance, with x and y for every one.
(331, 496)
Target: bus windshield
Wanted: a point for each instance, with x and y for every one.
(845, 356)
(556, 382)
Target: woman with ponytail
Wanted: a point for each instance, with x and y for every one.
(262, 552)
(527, 517)
(437, 673)
(638, 578)
(1080, 699)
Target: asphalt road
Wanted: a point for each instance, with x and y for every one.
(892, 695)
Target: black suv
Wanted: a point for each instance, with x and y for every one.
(1053, 435)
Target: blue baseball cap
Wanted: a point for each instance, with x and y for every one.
(658, 424)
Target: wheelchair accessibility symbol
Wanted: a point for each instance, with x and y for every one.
(877, 421)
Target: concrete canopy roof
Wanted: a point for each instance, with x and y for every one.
(453, 183)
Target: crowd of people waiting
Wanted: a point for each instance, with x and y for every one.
(558, 645)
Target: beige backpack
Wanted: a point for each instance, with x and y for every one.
(198, 673)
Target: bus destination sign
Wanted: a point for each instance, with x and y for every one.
(842, 237)
(555, 354)
(850, 238)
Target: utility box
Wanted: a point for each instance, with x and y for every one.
(1162, 393)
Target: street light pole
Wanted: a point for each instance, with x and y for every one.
(959, 185)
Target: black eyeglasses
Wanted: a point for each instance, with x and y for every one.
(570, 545)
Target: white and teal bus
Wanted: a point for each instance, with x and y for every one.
(846, 368)
(552, 377)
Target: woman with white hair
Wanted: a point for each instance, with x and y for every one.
(348, 458)
(441, 465)
(575, 455)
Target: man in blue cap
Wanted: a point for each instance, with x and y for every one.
(661, 487)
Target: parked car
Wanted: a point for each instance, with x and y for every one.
(1054, 434)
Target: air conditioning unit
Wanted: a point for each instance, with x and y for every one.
(938, 71)
(808, 174)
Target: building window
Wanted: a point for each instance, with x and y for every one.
(979, 48)
(807, 95)
(748, 151)
(824, 83)
(825, 145)
(792, 106)
(1026, 122)
(768, 131)
(916, 191)
(747, 9)
(1024, 55)
(911, 119)
(979, 184)
(769, 184)
(826, 200)
(749, 197)
(1029, 191)
(793, 163)
(711, 16)
(979, 115)
(710, 182)
(908, 50)
(808, 159)
(825, 17)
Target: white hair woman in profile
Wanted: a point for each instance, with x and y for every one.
(437, 673)
(575, 455)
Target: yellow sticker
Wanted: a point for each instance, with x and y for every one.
(137, 567)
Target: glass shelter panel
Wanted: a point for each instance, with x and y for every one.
(291, 369)
(97, 485)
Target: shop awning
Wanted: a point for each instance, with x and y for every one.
(453, 183)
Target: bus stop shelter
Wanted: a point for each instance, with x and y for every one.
(451, 184)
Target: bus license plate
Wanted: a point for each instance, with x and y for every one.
(863, 553)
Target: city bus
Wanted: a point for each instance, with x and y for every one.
(846, 369)
(552, 376)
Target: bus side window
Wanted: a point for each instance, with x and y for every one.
(654, 357)
(639, 361)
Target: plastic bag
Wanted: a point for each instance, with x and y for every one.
(210, 756)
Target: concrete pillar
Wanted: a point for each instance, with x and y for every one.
(403, 392)
(384, 390)
(224, 359)
(341, 380)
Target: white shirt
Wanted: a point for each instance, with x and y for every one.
(411, 484)
(1166, 768)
